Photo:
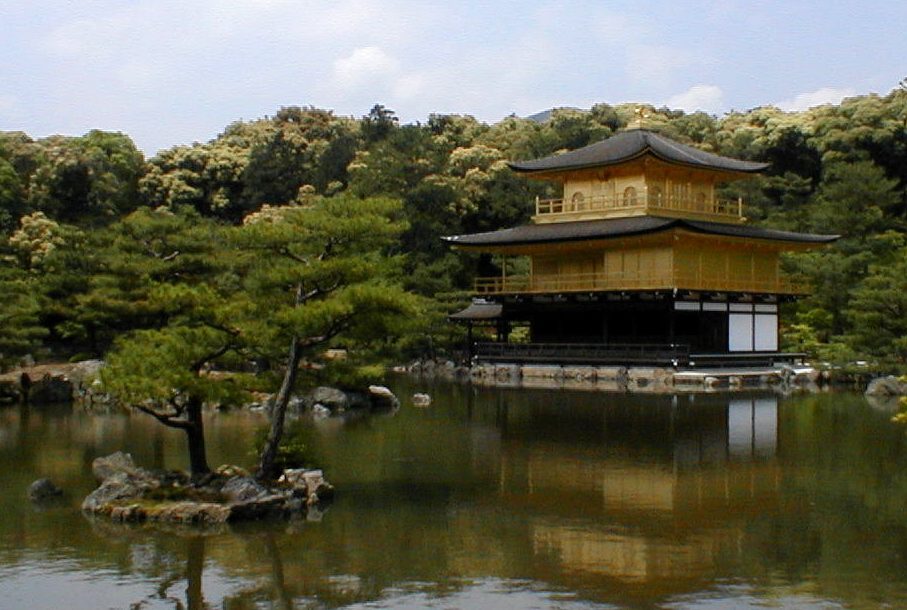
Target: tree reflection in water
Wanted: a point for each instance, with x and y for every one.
(502, 498)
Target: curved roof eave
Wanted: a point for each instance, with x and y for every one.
(629, 145)
(622, 227)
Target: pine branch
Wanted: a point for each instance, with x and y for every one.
(167, 420)
(336, 327)
(196, 366)
(170, 256)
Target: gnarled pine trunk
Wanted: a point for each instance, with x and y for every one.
(195, 438)
(266, 465)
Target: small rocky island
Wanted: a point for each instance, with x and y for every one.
(129, 493)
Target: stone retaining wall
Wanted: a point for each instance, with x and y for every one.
(636, 379)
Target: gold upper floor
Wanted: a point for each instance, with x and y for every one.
(675, 259)
(631, 202)
(645, 186)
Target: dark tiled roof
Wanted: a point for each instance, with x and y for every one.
(628, 145)
(478, 311)
(623, 227)
(719, 228)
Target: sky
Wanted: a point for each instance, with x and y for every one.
(175, 72)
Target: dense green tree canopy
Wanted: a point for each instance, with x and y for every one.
(835, 168)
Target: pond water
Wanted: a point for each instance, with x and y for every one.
(493, 498)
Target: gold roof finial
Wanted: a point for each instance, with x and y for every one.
(642, 114)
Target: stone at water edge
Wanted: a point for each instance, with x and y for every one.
(44, 490)
(617, 374)
(307, 483)
(191, 512)
(294, 477)
(383, 397)
(296, 404)
(318, 489)
(119, 486)
(106, 466)
(580, 373)
(50, 389)
(10, 391)
(711, 382)
(886, 386)
(271, 505)
(86, 368)
(231, 470)
(331, 398)
(130, 493)
(539, 371)
(243, 489)
(421, 400)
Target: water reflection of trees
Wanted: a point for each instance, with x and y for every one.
(618, 499)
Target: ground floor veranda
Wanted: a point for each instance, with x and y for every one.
(661, 328)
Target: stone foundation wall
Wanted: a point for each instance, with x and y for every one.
(637, 379)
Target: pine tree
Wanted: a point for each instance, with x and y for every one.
(320, 276)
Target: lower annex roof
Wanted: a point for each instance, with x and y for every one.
(479, 310)
(623, 227)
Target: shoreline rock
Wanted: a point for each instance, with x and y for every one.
(63, 382)
(128, 493)
(421, 399)
(327, 401)
(634, 379)
(886, 386)
(442, 369)
(44, 491)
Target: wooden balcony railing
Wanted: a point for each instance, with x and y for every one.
(607, 205)
(601, 282)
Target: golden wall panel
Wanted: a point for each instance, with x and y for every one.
(674, 261)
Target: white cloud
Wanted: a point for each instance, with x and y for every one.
(708, 98)
(364, 66)
(409, 87)
(819, 97)
(656, 62)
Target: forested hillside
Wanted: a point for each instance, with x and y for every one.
(92, 230)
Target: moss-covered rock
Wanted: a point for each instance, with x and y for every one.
(131, 494)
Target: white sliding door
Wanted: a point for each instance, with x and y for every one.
(765, 331)
(740, 332)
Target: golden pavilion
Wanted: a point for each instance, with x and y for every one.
(638, 262)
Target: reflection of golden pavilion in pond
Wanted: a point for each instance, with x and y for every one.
(650, 514)
(640, 259)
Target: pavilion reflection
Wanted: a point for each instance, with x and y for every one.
(644, 490)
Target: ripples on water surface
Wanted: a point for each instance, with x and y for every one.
(494, 498)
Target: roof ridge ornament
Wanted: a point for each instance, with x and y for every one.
(642, 114)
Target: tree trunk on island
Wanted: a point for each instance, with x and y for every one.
(195, 438)
(266, 466)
